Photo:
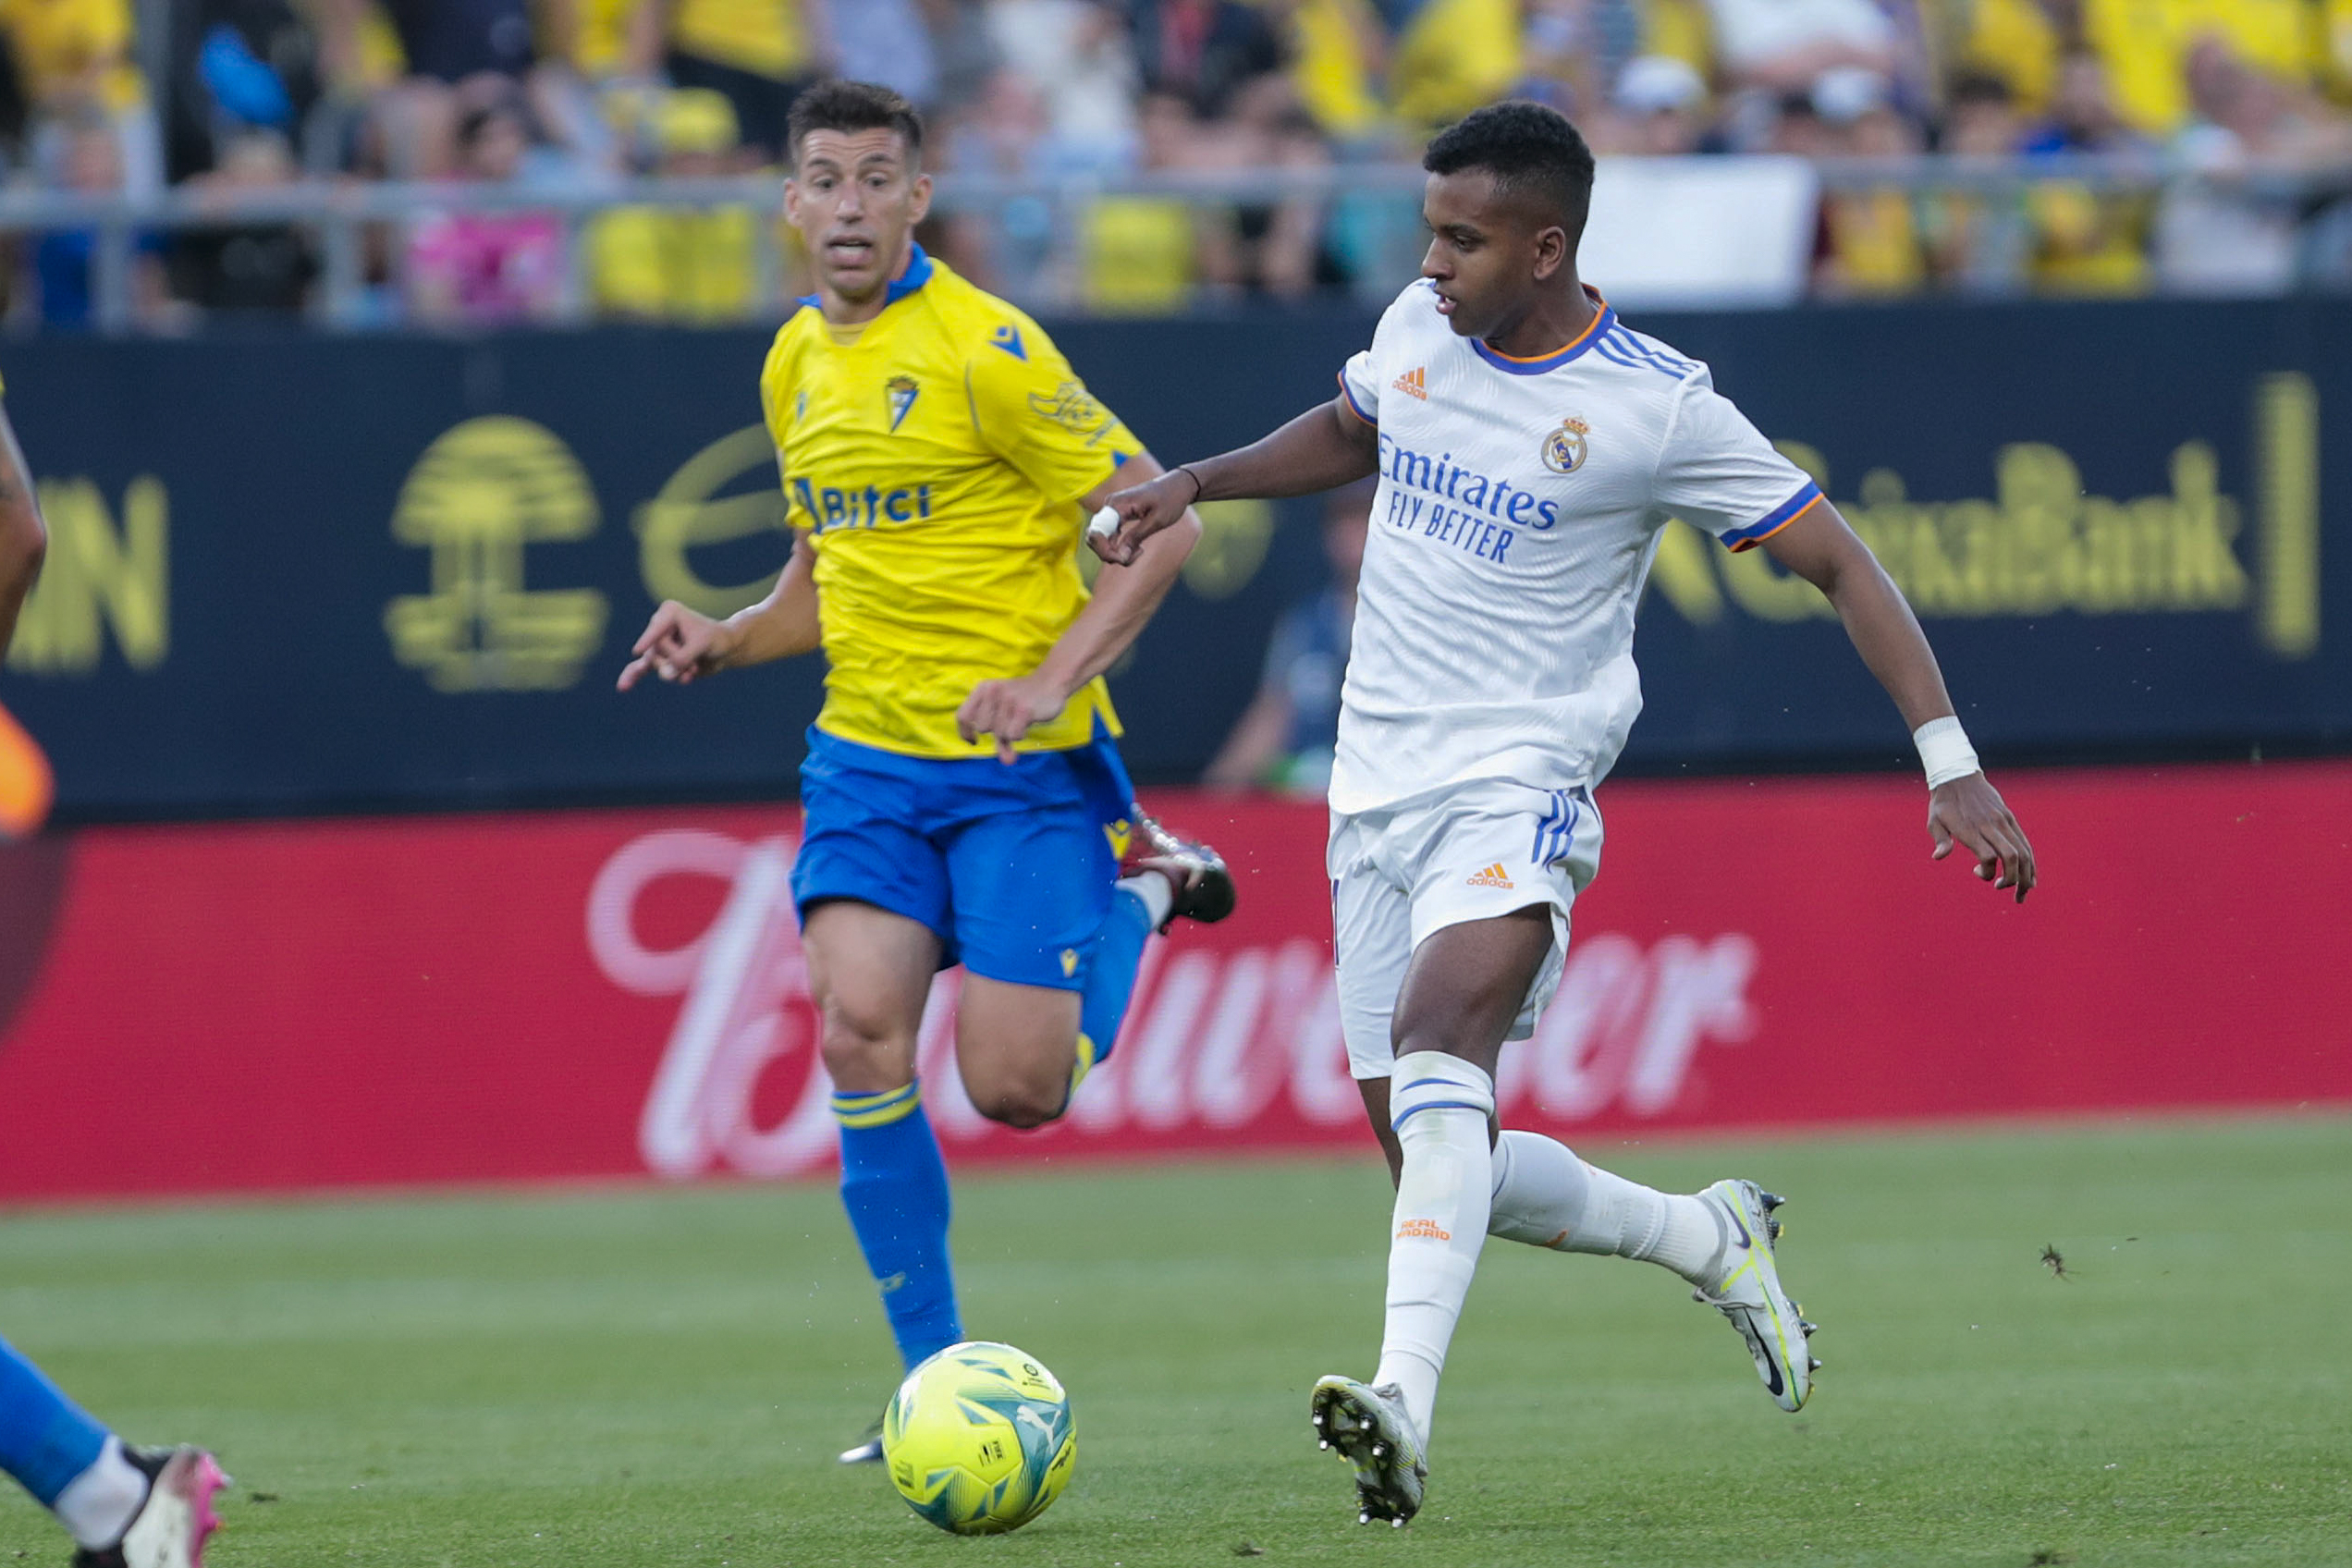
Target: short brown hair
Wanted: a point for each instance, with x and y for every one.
(852, 105)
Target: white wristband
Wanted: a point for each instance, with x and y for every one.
(1944, 751)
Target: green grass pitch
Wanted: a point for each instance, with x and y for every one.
(660, 1377)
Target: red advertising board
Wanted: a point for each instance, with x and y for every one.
(610, 994)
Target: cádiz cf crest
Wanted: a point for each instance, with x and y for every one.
(902, 390)
(1563, 449)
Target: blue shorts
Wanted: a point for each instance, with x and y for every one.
(1013, 867)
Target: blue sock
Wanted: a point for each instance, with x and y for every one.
(1111, 978)
(895, 1186)
(45, 1439)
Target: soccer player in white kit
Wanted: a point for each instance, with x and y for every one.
(1529, 446)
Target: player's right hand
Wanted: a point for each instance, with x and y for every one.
(679, 645)
(1143, 511)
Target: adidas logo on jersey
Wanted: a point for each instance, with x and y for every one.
(1493, 876)
(1415, 381)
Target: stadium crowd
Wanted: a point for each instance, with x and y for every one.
(574, 95)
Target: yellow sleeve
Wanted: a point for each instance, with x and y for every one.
(1031, 409)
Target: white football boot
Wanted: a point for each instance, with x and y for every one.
(1749, 1292)
(1372, 1432)
(171, 1526)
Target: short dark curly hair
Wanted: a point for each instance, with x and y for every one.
(1532, 152)
(851, 106)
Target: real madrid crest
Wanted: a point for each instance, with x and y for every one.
(1563, 449)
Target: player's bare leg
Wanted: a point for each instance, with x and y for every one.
(1462, 990)
(1015, 1047)
(870, 971)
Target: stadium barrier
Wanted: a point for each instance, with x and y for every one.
(1712, 229)
(300, 575)
(614, 995)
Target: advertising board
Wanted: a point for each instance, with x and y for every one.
(621, 994)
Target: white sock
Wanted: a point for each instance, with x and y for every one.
(1440, 1106)
(98, 1505)
(1541, 1192)
(1545, 1197)
(1155, 890)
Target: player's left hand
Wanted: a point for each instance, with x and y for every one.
(1007, 708)
(1969, 811)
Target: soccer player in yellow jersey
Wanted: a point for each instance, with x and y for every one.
(125, 1507)
(963, 798)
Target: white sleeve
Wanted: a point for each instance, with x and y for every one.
(1717, 471)
(1360, 378)
(1361, 385)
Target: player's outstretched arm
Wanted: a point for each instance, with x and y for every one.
(23, 541)
(1122, 603)
(1820, 547)
(684, 644)
(1322, 449)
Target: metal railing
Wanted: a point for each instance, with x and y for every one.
(339, 215)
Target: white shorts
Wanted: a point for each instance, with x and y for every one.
(1474, 851)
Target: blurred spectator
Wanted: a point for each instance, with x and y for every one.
(1981, 120)
(963, 54)
(2082, 117)
(594, 37)
(252, 269)
(1204, 50)
(237, 65)
(758, 54)
(2017, 41)
(73, 55)
(585, 88)
(1452, 56)
(65, 279)
(452, 53)
(1871, 240)
(698, 266)
(487, 268)
(1577, 50)
(1003, 246)
(2250, 115)
(1657, 110)
(1785, 45)
(2148, 47)
(2215, 235)
(884, 42)
(1980, 241)
(2087, 242)
(1076, 64)
(1286, 736)
(1277, 248)
(2335, 69)
(73, 60)
(1337, 50)
(1140, 254)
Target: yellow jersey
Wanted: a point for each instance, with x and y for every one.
(933, 458)
(2146, 42)
(767, 38)
(58, 43)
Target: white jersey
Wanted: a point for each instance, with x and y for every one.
(1519, 504)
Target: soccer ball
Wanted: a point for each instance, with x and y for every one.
(979, 1439)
